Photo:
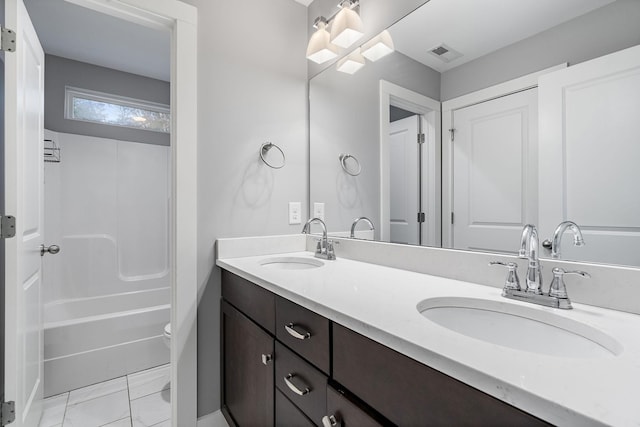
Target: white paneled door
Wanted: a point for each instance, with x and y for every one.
(494, 172)
(24, 134)
(590, 151)
(404, 161)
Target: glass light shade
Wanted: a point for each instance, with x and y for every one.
(346, 27)
(351, 63)
(320, 49)
(379, 46)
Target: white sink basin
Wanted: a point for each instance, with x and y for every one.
(291, 263)
(519, 327)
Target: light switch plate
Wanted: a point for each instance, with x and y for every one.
(295, 213)
(318, 210)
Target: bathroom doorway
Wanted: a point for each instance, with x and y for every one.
(180, 20)
(410, 153)
(106, 292)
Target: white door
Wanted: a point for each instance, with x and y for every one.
(589, 156)
(404, 181)
(24, 134)
(494, 172)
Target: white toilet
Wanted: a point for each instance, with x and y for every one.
(167, 335)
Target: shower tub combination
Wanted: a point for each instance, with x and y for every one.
(90, 340)
(106, 294)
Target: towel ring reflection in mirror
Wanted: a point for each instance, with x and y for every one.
(350, 169)
(264, 150)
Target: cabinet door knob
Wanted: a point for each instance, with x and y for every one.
(330, 421)
(301, 334)
(294, 388)
(266, 358)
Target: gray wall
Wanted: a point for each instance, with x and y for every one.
(376, 15)
(344, 118)
(61, 72)
(605, 30)
(252, 89)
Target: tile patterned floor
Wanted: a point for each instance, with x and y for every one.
(136, 400)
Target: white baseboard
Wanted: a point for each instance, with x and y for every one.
(214, 419)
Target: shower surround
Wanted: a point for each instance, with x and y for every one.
(107, 293)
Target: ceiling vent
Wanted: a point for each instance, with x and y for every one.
(444, 53)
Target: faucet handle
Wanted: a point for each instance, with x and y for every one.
(558, 288)
(512, 282)
(331, 254)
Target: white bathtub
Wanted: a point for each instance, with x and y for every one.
(90, 340)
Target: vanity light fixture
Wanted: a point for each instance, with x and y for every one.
(378, 47)
(347, 26)
(351, 63)
(320, 49)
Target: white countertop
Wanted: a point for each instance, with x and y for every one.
(380, 303)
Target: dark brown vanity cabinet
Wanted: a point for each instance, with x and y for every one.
(275, 358)
(247, 377)
(284, 365)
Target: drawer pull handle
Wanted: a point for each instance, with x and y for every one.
(266, 358)
(294, 388)
(303, 335)
(330, 421)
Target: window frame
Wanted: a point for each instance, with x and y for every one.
(71, 92)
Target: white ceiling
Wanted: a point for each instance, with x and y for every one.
(76, 32)
(475, 28)
(304, 2)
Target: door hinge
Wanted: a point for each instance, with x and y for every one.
(7, 40)
(7, 413)
(421, 217)
(453, 134)
(451, 217)
(7, 227)
(421, 138)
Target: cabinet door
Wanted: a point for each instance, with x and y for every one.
(247, 351)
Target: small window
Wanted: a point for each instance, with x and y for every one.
(96, 107)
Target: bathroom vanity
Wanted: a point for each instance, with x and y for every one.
(257, 343)
(345, 342)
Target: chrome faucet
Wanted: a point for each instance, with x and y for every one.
(555, 245)
(356, 221)
(324, 249)
(529, 248)
(557, 296)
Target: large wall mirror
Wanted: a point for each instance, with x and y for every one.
(528, 114)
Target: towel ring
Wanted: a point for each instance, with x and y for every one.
(264, 149)
(343, 162)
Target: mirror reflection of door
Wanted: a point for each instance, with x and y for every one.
(404, 157)
(589, 146)
(494, 172)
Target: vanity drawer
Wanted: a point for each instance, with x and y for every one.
(303, 331)
(409, 393)
(301, 378)
(348, 413)
(287, 415)
(255, 302)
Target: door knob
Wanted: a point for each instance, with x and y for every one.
(53, 249)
